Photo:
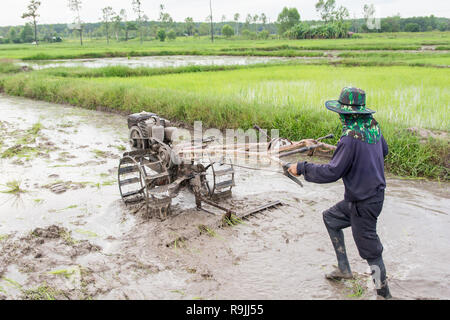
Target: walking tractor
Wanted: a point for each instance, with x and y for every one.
(156, 169)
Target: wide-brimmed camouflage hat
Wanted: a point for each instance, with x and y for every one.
(351, 101)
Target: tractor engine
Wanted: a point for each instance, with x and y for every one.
(148, 129)
(152, 173)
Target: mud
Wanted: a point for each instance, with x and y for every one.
(83, 243)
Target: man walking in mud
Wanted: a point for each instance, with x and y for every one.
(359, 161)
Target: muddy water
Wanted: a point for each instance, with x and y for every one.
(91, 246)
(156, 61)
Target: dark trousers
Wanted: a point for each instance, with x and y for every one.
(362, 216)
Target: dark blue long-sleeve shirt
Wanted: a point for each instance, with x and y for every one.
(359, 164)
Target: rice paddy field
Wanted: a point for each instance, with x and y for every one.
(71, 49)
(406, 77)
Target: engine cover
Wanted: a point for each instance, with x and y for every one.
(134, 119)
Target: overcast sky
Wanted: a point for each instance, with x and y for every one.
(56, 11)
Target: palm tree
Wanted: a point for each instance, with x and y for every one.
(236, 21)
(255, 20)
(32, 14)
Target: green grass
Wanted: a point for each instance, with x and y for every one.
(289, 98)
(396, 58)
(184, 46)
(127, 72)
(7, 67)
(242, 97)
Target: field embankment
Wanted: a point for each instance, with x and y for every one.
(286, 97)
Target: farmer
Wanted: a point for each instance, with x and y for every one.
(359, 161)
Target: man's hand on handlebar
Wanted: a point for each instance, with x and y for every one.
(293, 170)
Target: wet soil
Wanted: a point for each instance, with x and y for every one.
(65, 234)
(157, 61)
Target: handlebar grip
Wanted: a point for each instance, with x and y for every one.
(290, 176)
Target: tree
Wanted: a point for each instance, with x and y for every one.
(263, 19)
(117, 25)
(236, 22)
(108, 13)
(287, 19)
(391, 24)
(165, 18)
(137, 8)
(326, 9)
(12, 35)
(130, 26)
(264, 34)
(412, 27)
(75, 6)
(442, 26)
(248, 21)
(26, 35)
(204, 29)
(31, 14)
(161, 35)
(227, 31)
(172, 35)
(340, 25)
(255, 20)
(211, 17)
(189, 25)
(246, 33)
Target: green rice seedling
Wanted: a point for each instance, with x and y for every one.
(64, 209)
(180, 292)
(14, 187)
(66, 273)
(208, 231)
(357, 288)
(12, 283)
(19, 151)
(109, 183)
(87, 233)
(43, 292)
(99, 153)
(67, 237)
(31, 134)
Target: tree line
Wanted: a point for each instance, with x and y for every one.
(118, 25)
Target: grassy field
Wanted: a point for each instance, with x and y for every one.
(286, 96)
(198, 46)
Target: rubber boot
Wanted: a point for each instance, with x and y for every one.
(379, 277)
(343, 271)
